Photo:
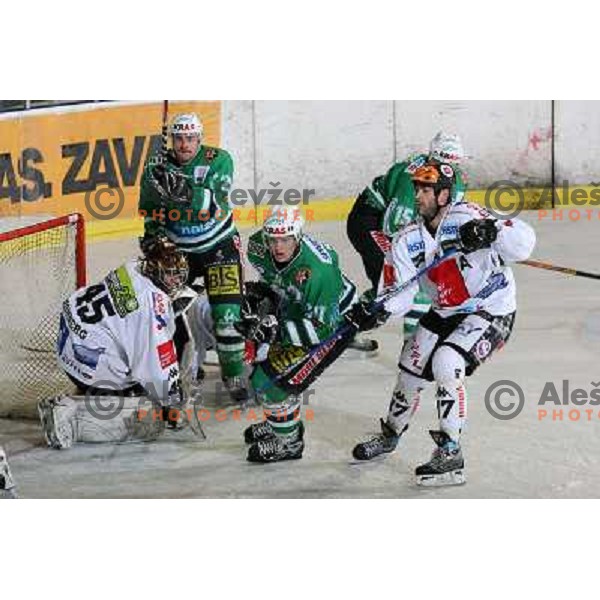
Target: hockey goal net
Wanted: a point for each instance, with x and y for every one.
(40, 265)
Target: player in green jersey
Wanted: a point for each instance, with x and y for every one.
(307, 294)
(388, 204)
(185, 197)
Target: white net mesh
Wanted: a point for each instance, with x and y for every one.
(37, 272)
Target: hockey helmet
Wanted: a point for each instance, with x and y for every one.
(284, 223)
(186, 124)
(446, 147)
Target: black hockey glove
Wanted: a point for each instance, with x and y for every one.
(363, 317)
(261, 331)
(477, 234)
(266, 332)
(172, 186)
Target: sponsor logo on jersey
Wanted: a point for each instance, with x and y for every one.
(496, 282)
(416, 247)
(88, 356)
(160, 310)
(73, 365)
(449, 231)
(318, 248)
(200, 173)
(382, 241)
(223, 280)
(75, 327)
(121, 290)
(166, 354)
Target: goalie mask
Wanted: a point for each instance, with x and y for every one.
(164, 264)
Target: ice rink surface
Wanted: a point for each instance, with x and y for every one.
(556, 338)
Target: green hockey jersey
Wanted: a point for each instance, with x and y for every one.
(394, 194)
(208, 220)
(313, 290)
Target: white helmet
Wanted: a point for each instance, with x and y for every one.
(447, 148)
(284, 223)
(187, 124)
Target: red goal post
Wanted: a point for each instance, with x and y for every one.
(41, 264)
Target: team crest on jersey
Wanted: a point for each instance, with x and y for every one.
(302, 275)
(447, 171)
(200, 173)
(483, 348)
(209, 154)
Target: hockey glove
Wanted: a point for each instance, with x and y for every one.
(363, 317)
(172, 186)
(255, 329)
(477, 234)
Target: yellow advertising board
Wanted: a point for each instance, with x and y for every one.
(85, 159)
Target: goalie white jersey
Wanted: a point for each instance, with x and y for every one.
(465, 283)
(119, 333)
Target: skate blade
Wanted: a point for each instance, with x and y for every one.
(451, 478)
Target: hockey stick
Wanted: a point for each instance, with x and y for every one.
(165, 132)
(320, 352)
(566, 270)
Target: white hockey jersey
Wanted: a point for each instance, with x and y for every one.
(464, 283)
(119, 332)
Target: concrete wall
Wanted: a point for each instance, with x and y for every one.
(336, 147)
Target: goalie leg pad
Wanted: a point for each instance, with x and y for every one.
(7, 483)
(70, 419)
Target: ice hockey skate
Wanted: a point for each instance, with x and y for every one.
(276, 448)
(382, 443)
(258, 432)
(446, 467)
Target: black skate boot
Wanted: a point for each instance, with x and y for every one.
(446, 466)
(386, 441)
(275, 449)
(237, 388)
(263, 431)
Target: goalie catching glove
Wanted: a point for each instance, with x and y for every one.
(477, 234)
(172, 186)
(363, 316)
